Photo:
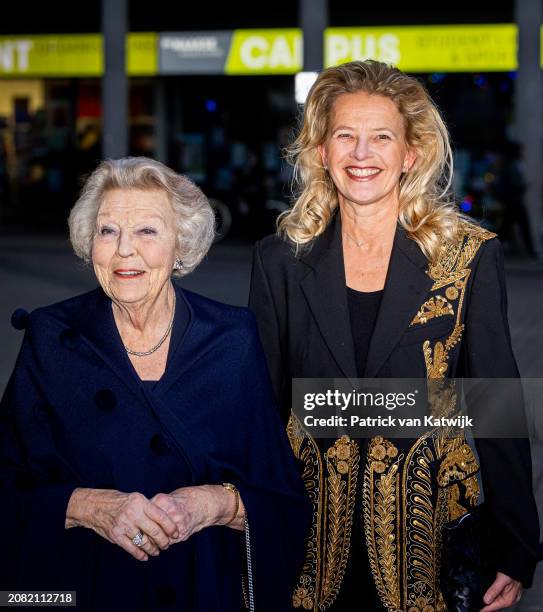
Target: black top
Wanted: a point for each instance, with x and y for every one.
(363, 309)
(357, 582)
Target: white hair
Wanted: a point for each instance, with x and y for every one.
(194, 215)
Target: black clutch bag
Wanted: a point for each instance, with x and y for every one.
(464, 572)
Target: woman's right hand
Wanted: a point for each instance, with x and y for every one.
(118, 517)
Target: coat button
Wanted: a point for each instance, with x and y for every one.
(69, 339)
(105, 400)
(159, 446)
(166, 594)
(19, 318)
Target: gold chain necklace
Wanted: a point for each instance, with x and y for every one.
(358, 243)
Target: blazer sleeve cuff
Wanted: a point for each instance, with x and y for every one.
(519, 565)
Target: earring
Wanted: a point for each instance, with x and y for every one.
(178, 264)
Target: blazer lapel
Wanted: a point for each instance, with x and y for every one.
(406, 285)
(324, 289)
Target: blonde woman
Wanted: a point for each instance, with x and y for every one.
(375, 273)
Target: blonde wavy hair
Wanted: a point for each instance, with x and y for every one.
(426, 209)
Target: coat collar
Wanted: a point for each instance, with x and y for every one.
(325, 290)
(93, 324)
(93, 321)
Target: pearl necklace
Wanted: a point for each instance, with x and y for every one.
(160, 342)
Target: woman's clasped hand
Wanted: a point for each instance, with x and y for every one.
(161, 521)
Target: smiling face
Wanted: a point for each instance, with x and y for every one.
(365, 150)
(133, 250)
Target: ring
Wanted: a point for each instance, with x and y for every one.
(137, 540)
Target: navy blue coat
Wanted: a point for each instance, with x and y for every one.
(75, 414)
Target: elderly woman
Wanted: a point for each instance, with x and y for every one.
(376, 274)
(142, 458)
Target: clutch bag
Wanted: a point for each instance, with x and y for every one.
(463, 574)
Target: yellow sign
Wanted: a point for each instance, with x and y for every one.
(72, 55)
(265, 52)
(49, 55)
(448, 48)
(142, 54)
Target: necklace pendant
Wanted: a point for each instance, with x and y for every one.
(358, 243)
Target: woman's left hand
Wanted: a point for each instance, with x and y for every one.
(195, 508)
(503, 593)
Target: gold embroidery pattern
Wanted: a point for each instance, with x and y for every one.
(454, 338)
(436, 361)
(441, 516)
(452, 269)
(435, 307)
(455, 509)
(421, 604)
(457, 465)
(419, 542)
(451, 293)
(380, 502)
(472, 492)
(342, 461)
(295, 435)
(306, 450)
(403, 510)
(333, 501)
(456, 256)
(423, 523)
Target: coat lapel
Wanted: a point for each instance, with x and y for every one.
(406, 286)
(324, 289)
(196, 339)
(97, 326)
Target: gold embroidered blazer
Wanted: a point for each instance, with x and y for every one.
(434, 321)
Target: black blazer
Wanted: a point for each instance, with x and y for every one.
(300, 302)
